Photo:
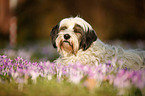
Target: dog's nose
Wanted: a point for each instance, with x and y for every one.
(66, 36)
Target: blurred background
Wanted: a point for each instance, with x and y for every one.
(34, 19)
(23, 21)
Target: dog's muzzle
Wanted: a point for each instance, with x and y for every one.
(66, 43)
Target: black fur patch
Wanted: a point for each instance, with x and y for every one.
(87, 39)
(54, 34)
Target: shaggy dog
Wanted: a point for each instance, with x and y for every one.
(76, 41)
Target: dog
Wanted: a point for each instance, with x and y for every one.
(76, 41)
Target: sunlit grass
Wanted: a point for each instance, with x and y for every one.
(53, 88)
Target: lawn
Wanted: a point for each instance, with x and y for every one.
(29, 71)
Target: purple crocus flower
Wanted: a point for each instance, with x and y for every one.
(21, 70)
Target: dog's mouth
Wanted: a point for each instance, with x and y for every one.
(66, 46)
(67, 42)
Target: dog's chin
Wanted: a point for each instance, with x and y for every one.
(66, 46)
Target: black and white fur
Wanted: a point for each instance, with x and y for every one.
(76, 41)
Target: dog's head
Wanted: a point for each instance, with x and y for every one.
(71, 35)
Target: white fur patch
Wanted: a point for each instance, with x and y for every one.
(70, 22)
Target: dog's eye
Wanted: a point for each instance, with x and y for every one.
(77, 31)
(63, 28)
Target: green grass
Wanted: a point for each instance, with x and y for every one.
(44, 87)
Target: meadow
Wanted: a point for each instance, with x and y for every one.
(29, 70)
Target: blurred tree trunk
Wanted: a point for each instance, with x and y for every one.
(4, 16)
(8, 20)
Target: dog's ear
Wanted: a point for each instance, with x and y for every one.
(53, 34)
(87, 39)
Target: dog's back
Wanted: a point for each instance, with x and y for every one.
(135, 59)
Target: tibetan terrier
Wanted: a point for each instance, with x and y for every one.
(76, 41)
